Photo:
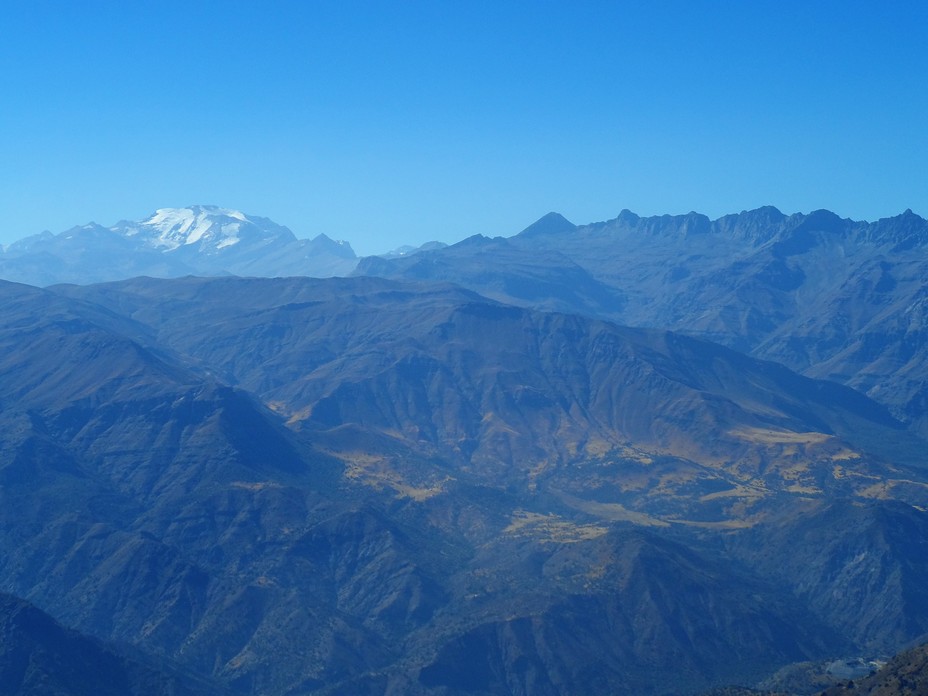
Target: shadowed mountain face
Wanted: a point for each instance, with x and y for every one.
(826, 296)
(40, 658)
(363, 486)
(850, 562)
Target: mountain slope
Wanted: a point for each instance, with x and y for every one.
(830, 297)
(136, 494)
(602, 638)
(853, 563)
(38, 657)
(349, 485)
(904, 675)
(498, 269)
(410, 364)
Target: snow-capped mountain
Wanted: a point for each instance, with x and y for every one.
(196, 240)
(207, 227)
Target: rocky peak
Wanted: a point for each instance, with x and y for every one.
(552, 223)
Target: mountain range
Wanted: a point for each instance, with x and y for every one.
(496, 471)
(828, 297)
(340, 485)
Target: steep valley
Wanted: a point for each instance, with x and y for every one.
(298, 486)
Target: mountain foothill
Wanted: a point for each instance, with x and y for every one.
(665, 455)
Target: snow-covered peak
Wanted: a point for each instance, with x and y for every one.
(170, 228)
(201, 240)
(203, 229)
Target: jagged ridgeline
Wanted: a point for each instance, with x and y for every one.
(828, 297)
(360, 485)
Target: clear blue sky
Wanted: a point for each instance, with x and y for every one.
(386, 123)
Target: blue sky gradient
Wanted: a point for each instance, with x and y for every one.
(388, 123)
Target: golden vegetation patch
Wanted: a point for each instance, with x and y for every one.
(378, 472)
(739, 491)
(845, 455)
(742, 523)
(796, 477)
(839, 472)
(888, 489)
(614, 512)
(550, 527)
(255, 485)
(800, 489)
(597, 447)
(635, 455)
(417, 494)
(298, 417)
(770, 436)
(876, 491)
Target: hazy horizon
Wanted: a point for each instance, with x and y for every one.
(387, 125)
(401, 244)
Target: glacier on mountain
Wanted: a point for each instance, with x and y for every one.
(196, 240)
(170, 228)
